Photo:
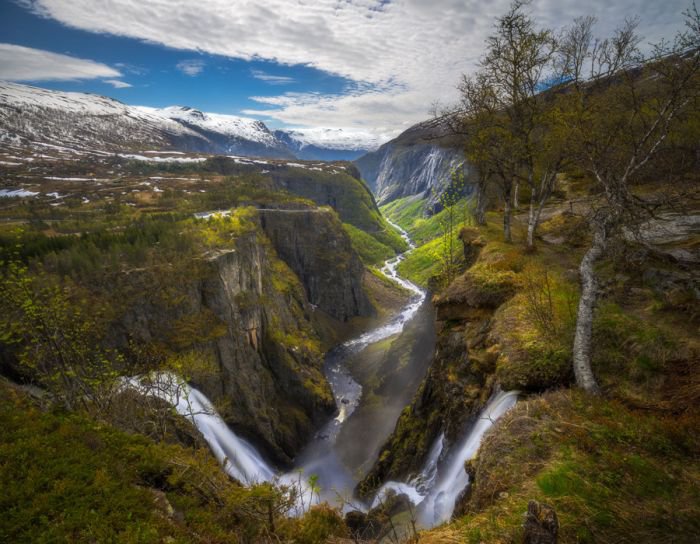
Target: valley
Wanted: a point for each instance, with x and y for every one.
(356, 326)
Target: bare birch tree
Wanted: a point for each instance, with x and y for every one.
(504, 112)
(620, 108)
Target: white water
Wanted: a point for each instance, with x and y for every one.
(320, 457)
(241, 460)
(435, 490)
(396, 325)
(238, 457)
(452, 478)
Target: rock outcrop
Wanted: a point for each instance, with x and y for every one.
(314, 246)
(541, 524)
(417, 161)
(252, 308)
(455, 388)
(459, 381)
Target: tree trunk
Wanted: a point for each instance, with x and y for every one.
(532, 218)
(507, 212)
(516, 195)
(539, 198)
(480, 211)
(586, 307)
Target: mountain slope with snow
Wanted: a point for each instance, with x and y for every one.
(92, 122)
(418, 161)
(328, 143)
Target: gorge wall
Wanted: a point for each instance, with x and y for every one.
(419, 160)
(257, 306)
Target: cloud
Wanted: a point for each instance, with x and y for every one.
(18, 63)
(118, 84)
(131, 68)
(191, 68)
(399, 55)
(272, 80)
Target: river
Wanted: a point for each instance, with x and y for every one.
(434, 491)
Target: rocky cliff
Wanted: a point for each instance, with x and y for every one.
(417, 161)
(460, 379)
(253, 309)
(312, 244)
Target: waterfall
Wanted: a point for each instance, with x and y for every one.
(435, 490)
(240, 459)
(438, 505)
(418, 487)
(237, 456)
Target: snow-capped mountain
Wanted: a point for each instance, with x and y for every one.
(98, 123)
(328, 143)
(92, 122)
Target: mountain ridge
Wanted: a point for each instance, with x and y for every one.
(100, 123)
(419, 161)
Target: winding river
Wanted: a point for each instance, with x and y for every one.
(434, 491)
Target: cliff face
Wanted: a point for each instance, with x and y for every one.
(313, 245)
(455, 388)
(342, 190)
(269, 378)
(459, 381)
(420, 159)
(254, 308)
(398, 171)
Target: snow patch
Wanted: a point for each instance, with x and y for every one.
(16, 193)
(160, 159)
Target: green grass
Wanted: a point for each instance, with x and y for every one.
(389, 236)
(68, 478)
(371, 251)
(404, 211)
(422, 263)
(611, 474)
(409, 214)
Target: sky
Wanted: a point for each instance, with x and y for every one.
(371, 66)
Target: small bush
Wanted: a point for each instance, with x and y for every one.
(318, 525)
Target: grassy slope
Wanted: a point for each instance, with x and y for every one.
(424, 262)
(616, 469)
(620, 468)
(374, 249)
(612, 474)
(68, 478)
(409, 214)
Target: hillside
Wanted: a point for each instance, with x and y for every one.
(417, 162)
(484, 331)
(33, 115)
(617, 468)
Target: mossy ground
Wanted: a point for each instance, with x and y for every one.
(618, 468)
(611, 474)
(371, 251)
(68, 478)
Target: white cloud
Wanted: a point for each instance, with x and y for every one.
(271, 79)
(118, 84)
(401, 55)
(191, 67)
(131, 68)
(19, 63)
